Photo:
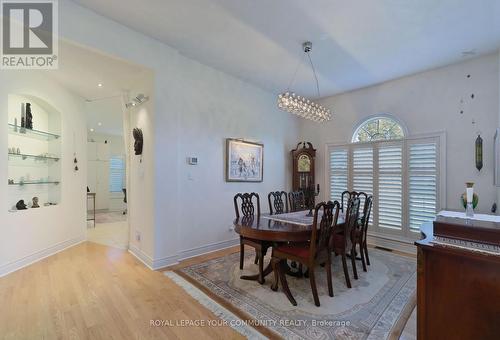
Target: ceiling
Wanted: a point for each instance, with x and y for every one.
(355, 43)
(81, 70)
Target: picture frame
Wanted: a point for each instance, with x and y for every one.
(244, 161)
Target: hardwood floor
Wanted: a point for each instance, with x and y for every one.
(92, 291)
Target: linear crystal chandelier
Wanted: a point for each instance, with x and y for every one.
(299, 105)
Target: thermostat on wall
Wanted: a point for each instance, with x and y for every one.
(192, 160)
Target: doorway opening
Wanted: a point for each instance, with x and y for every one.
(107, 86)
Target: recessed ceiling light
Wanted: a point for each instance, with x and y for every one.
(99, 85)
(99, 123)
(91, 130)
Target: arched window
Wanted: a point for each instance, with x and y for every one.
(380, 127)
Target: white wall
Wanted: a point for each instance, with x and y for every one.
(428, 102)
(188, 101)
(32, 234)
(116, 144)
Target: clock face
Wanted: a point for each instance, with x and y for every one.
(304, 163)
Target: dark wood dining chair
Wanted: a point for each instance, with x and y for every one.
(317, 251)
(297, 201)
(250, 210)
(278, 202)
(359, 234)
(345, 197)
(341, 240)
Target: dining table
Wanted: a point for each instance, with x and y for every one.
(294, 227)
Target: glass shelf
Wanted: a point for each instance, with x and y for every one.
(30, 160)
(34, 183)
(35, 134)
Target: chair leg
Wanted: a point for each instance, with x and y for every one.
(366, 254)
(284, 283)
(312, 279)
(242, 254)
(274, 264)
(346, 271)
(260, 255)
(329, 276)
(353, 261)
(362, 254)
(256, 257)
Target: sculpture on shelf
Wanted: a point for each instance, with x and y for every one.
(21, 206)
(35, 202)
(139, 141)
(29, 117)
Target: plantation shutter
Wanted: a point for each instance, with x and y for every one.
(423, 182)
(390, 186)
(116, 174)
(338, 172)
(362, 171)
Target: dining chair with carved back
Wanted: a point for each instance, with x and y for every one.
(316, 251)
(297, 201)
(345, 197)
(359, 234)
(278, 202)
(244, 202)
(341, 240)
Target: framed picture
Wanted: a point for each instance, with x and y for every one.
(244, 161)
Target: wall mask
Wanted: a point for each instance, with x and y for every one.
(138, 141)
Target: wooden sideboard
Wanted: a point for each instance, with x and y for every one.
(458, 289)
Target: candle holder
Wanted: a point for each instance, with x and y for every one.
(469, 209)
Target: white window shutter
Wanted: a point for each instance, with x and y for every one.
(338, 172)
(390, 187)
(116, 174)
(362, 171)
(423, 181)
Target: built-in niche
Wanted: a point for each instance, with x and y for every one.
(34, 153)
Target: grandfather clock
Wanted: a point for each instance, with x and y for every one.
(303, 172)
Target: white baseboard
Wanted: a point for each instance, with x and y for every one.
(165, 262)
(141, 256)
(209, 248)
(39, 255)
(399, 245)
(156, 264)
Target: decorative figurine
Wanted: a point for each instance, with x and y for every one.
(11, 181)
(139, 141)
(35, 202)
(15, 124)
(29, 117)
(21, 206)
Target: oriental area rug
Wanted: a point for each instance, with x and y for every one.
(376, 307)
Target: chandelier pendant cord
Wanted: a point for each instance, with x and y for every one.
(314, 72)
(292, 81)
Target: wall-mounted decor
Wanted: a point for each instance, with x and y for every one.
(244, 161)
(479, 152)
(496, 148)
(139, 141)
